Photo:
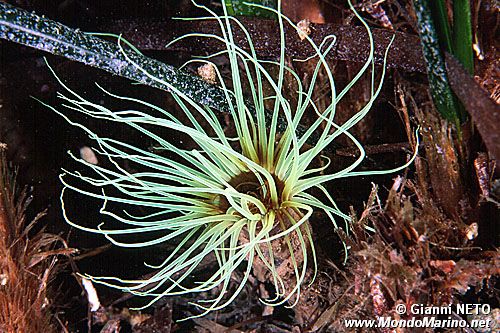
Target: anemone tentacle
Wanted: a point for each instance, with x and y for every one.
(232, 198)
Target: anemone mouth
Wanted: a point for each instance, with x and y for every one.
(250, 184)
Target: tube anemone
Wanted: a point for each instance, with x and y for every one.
(244, 200)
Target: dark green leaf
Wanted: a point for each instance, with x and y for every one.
(438, 81)
(241, 8)
(462, 34)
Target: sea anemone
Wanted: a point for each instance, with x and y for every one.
(241, 200)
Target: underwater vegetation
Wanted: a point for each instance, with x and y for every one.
(246, 200)
(28, 259)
